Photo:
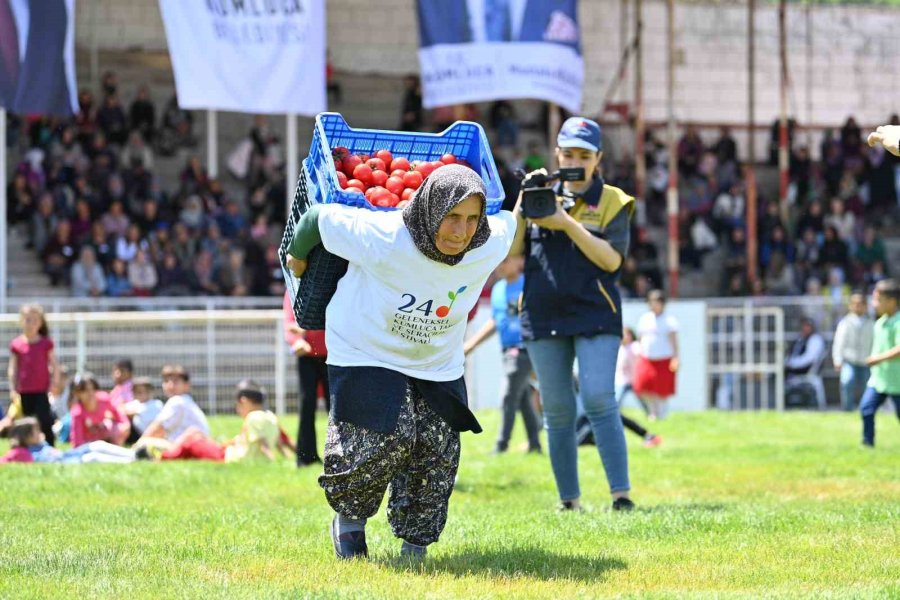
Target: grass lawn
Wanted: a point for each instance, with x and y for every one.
(731, 505)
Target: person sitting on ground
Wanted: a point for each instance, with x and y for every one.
(259, 439)
(20, 433)
(179, 413)
(122, 392)
(95, 417)
(30, 437)
(143, 409)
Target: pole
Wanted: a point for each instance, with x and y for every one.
(3, 200)
(750, 176)
(640, 163)
(212, 143)
(783, 152)
(95, 55)
(809, 72)
(293, 164)
(553, 126)
(672, 189)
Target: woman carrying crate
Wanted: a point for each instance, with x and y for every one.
(394, 331)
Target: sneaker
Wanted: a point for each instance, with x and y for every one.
(348, 545)
(623, 504)
(653, 441)
(408, 550)
(568, 505)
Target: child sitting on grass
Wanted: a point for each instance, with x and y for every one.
(143, 409)
(95, 417)
(260, 437)
(29, 445)
(179, 415)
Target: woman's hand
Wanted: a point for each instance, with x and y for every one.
(296, 265)
(301, 348)
(558, 221)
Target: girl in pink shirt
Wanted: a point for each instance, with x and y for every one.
(94, 417)
(32, 366)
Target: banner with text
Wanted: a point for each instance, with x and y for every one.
(259, 56)
(37, 57)
(481, 50)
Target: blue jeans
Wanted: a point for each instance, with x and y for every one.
(553, 360)
(868, 406)
(853, 384)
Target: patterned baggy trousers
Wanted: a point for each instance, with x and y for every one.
(418, 460)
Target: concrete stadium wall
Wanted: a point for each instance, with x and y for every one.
(851, 72)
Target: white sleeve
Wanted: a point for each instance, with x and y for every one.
(672, 323)
(503, 228)
(357, 234)
(170, 415)
(837, 346)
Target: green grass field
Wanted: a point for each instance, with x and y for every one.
(731, 505)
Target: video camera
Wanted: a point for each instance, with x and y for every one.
(538, 197)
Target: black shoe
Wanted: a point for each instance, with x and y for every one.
(142, 453)
(535, 450)
(568, 505)
(623, 504)
(348, 545)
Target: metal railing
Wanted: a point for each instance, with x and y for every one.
(218, 348)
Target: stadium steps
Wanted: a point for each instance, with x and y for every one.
(25, 279)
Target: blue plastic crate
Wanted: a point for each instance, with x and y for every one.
(311, 293)
(463, 139)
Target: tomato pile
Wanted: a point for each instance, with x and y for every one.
(384, 180)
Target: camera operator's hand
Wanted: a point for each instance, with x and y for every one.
(558, 221)
(531, 175)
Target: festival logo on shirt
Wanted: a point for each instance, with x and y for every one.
(413, 320)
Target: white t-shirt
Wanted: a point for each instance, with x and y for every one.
(179, 413)
(625, 362)
(144, 412)
(653, 333)
(395, 308)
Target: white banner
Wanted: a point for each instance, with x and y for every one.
(463, 73)
(257, 56)
(481, 50)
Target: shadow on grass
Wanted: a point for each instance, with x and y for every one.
(688, 507)
(513, 562)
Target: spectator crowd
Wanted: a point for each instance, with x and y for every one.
(89, 200)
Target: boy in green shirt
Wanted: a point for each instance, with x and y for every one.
(885, 359)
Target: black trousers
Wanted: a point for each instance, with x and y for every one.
(38, 405)
(311, 370)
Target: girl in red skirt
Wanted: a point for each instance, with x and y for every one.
(654, 373)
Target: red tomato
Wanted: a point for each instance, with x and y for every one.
(356, 183)
(398, 173)
(407, 194)
(363, 173)
(386, 156)
(342, 180)
(448, 159)
(395, 185)
(376, 164)
(364, 157)
(437, 164)
(379, 178)
(379, 196)
(350, 163)
(413, 180)
(395, 200)
(340, 152)
(400, 163)
(338, 165)
(425, 168)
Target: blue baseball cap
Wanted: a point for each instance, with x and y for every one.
(578, 132)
